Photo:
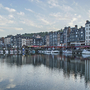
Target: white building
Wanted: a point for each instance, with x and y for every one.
(23, 41)
(87, 33)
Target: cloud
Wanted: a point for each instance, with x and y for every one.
(45, 21)
(31, 0)
(39, 1)
(76, 18)
(72, 22)
(10, 9)
(89, 13)
(1, 5)
(10, 21)
(29, 10)
(53, 3)
(61, 16)
(66, 8)
(12, 28)
(53, 28)
(11, 86)
(18, 29)
(10, 16)
(1, 30)
(30, 23)
(21, 13)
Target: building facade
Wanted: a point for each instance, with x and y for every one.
(87, 33)
(47, 40)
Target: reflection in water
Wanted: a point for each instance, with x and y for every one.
(70, 66)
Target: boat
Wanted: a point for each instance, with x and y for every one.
(47, 52)
(85, 55)
(1, 51)
(55, 51)
(67, 51)
(6, 52)
(85, 51)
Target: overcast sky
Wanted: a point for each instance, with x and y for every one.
(31, 16)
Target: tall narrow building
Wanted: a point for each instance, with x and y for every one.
(87, 33)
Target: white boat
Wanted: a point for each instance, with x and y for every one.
(67, 51)
(85, 51)
(1, 51)
(47, 52)
(6, 52)
(85, 55)
(55, 51)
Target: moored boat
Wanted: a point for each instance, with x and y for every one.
(85, 51)
(55, 51)
(67, 51)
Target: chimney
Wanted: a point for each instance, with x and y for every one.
(81, 26)
(75, 26)
(87, 21)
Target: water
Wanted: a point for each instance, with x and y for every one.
(44, 72)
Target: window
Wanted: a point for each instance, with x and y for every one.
(86, 32)
(86, 25)
(86, 37)
(86, 28)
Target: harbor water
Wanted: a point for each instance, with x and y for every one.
(44, 72)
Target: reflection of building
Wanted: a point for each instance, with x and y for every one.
(69, 65)
(87, 70)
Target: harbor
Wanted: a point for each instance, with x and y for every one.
(64, 72)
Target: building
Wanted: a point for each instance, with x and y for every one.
(7, 41)
(65, 30)
(16, 41)
(27, 41)
(44, 40)
(77, 36)
(47, 40)
(31, 41)
(82, 35)
(58, 38)
(23, 41)
(61, 39)
(53, 38)
(50, 38)
(87, 33)
(1, 42)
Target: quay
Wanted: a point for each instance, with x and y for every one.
(35, 50)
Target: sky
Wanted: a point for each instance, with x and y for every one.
(32, 16)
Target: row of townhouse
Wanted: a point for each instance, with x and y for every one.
(18, 41)
(67, 37)
(70, 36)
